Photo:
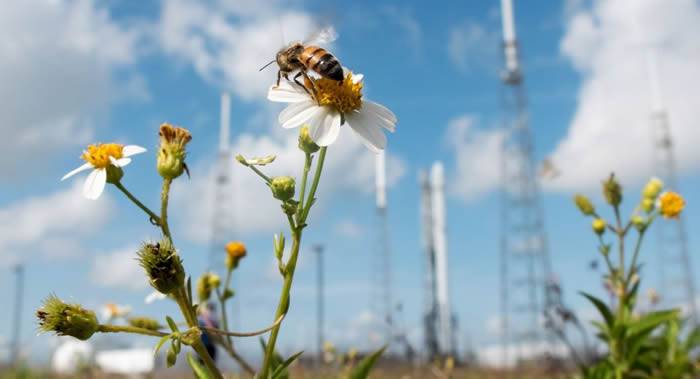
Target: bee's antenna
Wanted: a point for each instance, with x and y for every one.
(263, 67)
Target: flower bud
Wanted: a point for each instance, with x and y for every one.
(235, 251)
(66, 319)
(584, 205)
(144, 323)
(653, 188)
(282, 187)
(306, 144)
(114, 174)
(162, 265)
(171, 152)
(599, 226)
(640, 223)
(170, 358)
(191, 336)
(671, 204)
(647, 204)
(205, 284)
(612, 191)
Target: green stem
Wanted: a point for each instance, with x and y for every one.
(105, 328)
(164, 195)
(139, 204)
(187, 311)
(283, 305)
(304, 179)
(637, 248)
(260, 173)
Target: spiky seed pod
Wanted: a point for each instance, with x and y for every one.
(172, 152)
(162, 265)
(145, 323)
(66, 319)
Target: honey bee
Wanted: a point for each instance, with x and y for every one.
(307, 56)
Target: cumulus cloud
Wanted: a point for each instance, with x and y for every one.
(477, 157)
(58, 75)
(118, 269)
(229, 43)
(607, 43)
(50, 226)
(349, 166)
(472, 45)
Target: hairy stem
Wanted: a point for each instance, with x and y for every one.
(164, 195)
(188, 312)
(106, 328)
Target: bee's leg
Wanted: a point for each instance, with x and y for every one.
(304, 86)
(310, 84)
(279, 77)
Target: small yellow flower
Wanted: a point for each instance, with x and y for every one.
(653, 188)
(671, 204)
(235, 251)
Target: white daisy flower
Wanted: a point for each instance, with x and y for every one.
(111, 311)
(338, 103)
(102, 158)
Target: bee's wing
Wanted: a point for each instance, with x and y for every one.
(322, 37)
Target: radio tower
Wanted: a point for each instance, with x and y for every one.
(381, 286)
(526, 288)
(222, 209)
(677, 285)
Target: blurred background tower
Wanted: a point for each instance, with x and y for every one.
(382, 302)
(676, 284)
(222, 208)
(526, 293)
(438, 320)
(17, 320)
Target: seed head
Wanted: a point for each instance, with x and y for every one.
(66, 319)
(162, 265)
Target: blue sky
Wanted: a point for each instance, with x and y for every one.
(77, 72)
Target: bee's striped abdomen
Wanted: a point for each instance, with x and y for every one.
(322, 62)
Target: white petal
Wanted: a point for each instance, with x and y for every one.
(325, 127)
(120, 162)
(369, 131)
(130, 150)
(77, 170)
(287, 93)
(298, 113)
(95, 184)
(387, 117)
(356, 78)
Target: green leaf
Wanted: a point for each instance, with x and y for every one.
(275, 361)
(602, 308)
(361, 371)
(280, 371)
(200, 371)
(172, 324)
(650, 321)
(160, 344)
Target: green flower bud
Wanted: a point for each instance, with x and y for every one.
(114, 174)
(282, 187)
(584, 205)
(612, 191)
(66, 319)
(171, 357)
(599, 226)
(648, 204)
(145, 323)
(640, 223)
(290, 207)
(171, 152)
(191, 336)
(162, 265)
(228, 293)
(306, 144)
(653, 188)
(205, 284)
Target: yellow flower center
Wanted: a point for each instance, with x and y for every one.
(671, 205)
(98, 155)
(345, 96)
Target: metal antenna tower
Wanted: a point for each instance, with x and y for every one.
(430, 311)
(318, 249)
(222, 209)
(381, 283)
(16, 323)
(676, 285)
(525, 266)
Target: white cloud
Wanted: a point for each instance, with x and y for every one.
(349, 166)
(610, 131)
(477, 157)
(118, 269)
(57, 75)
(50, 226)
(348, 228)
(228, 44)
(471, 45)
